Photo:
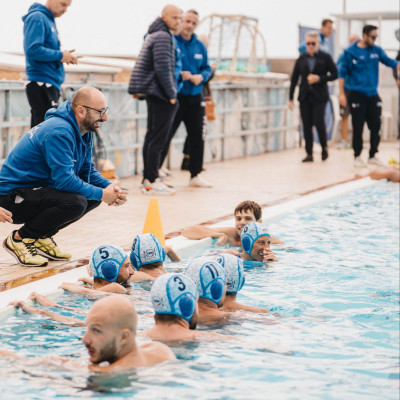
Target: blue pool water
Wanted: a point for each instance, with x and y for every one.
(336, 287)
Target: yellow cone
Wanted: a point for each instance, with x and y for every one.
(153, 222)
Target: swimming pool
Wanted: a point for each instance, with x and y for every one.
(336, 287)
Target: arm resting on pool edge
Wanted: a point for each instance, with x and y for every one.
(223, 234)
(46, 302)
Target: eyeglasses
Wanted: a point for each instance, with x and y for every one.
(101, 112)
(373, 37)
(311, 43)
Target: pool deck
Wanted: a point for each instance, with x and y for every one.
(268, 179)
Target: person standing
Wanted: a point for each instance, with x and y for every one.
(44, 59)
(153, 77)
(315, 68)
(360, 72)
(324, 33)
(195, 71)
(49, 181)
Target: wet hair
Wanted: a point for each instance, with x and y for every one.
(367, 29)
(326, 21)
(173, 319)
(193, 11)
(154, 265)
(249, 205)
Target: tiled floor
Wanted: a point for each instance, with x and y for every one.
(267, 179)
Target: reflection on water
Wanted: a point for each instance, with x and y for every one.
(335, 287)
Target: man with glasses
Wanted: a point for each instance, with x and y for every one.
(49, 180)
(315, 68)
(360, 71)
(44, 59)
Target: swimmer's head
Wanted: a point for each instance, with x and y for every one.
(250, 234)
(146, 249)
(246, 212)
(234, 272)
(209, 277)
(174, 294)
(106, 262)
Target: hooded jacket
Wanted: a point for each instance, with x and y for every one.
(360, 68)
(42, 47)
(54, 154)
(154, 71)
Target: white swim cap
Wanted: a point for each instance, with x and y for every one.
(234, 272)
(106, 262)
(250, 233)
(146, 249)
(209, 277)
(174, 294)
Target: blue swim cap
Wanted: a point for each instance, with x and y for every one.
(250, 233)
(146, 249)
(106, 262)
(174, 294)
(234, 272)
(209, 277)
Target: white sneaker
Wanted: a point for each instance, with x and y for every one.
(358, 162)
(199, 181)
(344, 144)
(157, 188)
(164, 173)
(375, 161)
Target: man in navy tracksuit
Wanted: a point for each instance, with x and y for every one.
(195, 71)
(49, 181)
(360, 71)
(44, 59)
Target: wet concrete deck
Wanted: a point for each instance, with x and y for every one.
(267, 179)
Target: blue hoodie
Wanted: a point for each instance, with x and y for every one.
(360, 68)
(194, 59)
(42, 47)
(54, 154)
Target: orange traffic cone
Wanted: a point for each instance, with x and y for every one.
(153, 222)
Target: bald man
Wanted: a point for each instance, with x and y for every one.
(44, 58)
(49, 180)
(111, 337)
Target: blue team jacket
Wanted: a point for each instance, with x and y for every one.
(194, 59)
(360, 68)
(54, 154)
(42, 47)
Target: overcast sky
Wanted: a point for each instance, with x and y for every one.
(118, 26)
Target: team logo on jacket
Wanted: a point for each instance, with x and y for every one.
(33, 131)
(198, 56)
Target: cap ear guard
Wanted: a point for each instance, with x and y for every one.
(217, 290)
(187, 305)
(251, 232)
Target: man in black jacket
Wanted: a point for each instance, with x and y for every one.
(153, 77)
(316, 68)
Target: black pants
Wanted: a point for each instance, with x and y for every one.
(44, 211)
(313, 114)
(41, 99)
(192, 112)
(160, 115)
(365, 109)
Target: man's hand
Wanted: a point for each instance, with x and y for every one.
(122, 196)
(222, 240)
(110, 194)
(312, 79)
(196, 79)
(291, 105)
(68, 57)
(342, 100)
(269, 256)
(186, 75)
(172, 101)
(5, 215)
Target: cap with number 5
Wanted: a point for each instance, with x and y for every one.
(106, 262)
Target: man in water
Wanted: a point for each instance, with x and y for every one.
(245, 212)
(111, 337)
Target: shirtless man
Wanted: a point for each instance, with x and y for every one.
(147, 257)
(111, 271)
(234, 282)
(174, 298)
(245, 212)
(111, 337)
(210, 280)
(256, 244)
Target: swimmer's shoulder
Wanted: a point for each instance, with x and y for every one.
(141, 276)
(156, 352)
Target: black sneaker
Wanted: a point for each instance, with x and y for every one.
(309, 158)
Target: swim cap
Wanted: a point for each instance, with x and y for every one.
(106, 262)
(234, 272)
(209, 277)
(146, 249)
(250, 233)
(174, 294)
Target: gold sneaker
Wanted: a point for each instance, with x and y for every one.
(24, 251)
(48, 248)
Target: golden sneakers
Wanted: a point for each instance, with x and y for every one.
(48, 248)
(24, 251)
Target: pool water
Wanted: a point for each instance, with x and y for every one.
(336, 287)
